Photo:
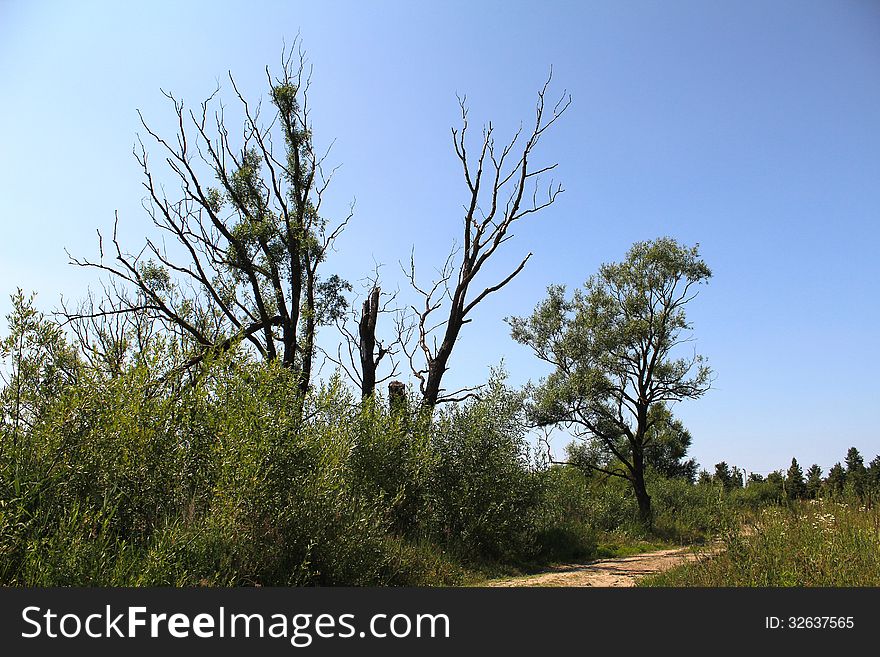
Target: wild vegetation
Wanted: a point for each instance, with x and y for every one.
(815, 543)
(172, 429)
(218, 477)
(795, 531)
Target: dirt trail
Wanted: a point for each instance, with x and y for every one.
(608, 572)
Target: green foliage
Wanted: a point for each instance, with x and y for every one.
(230, 477)
(565, 523)
(856, 473)
(835, 482)
(40, 364)
(613, 345)
(795, 485)
(687, 513)
(667, 445)
(764, 492)
(814, 482)
(484, 489)
(727, 477)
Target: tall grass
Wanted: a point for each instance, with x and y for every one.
(817, 543)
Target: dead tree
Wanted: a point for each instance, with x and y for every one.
(246, 231)
(364, 351)
(397, 397)
(503, 187)
(367, 342)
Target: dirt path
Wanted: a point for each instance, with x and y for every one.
(608, 572)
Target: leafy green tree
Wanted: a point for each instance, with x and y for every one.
(723, 475)
(855, 464)
(40, 362)
(737, 477)
(665, 451)
(728, 477)
(795, 486)
(776, 483)
(613, 349)
(667, 447)
(814, 481)
(873, 476)
(754, 478)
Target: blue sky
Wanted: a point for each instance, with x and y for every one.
(752, 128)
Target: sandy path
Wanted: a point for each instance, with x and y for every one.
(607, 572)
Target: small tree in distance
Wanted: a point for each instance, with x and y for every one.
(835, 482)
(814, 481)
(612, 346)
(795, 486)
(856, 473)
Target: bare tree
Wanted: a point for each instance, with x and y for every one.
(364, 351)
(246, 231)
(502, 188)
(107, 340)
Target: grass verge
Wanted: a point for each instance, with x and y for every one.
(807, 544)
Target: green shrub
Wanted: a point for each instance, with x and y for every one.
(484, 488)
(688, 513)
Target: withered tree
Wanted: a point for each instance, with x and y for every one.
(502, 187)
(241, 244)
(360, 352)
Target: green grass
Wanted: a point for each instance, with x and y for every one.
(807, 544)
(610, 545)
(627, 548)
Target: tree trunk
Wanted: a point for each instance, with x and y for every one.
(645, 513)
(396, 397)
(436, 370)
(641, 491)
(367, 337)
(438, 365)
(308, 338)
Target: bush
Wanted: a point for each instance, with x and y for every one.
(484, 488)
(688, 513)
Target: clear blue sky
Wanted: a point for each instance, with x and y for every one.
(752, 128)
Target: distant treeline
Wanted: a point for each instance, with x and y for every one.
(850, 479)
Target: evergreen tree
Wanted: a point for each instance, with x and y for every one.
(667, 445)
(835, 482)
(814, 481)
(736, 478)
(795, 486)
(873, 473)
(856, 473)
(723, 475)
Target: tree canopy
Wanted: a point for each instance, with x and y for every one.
(247, 233)
(614, 348)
